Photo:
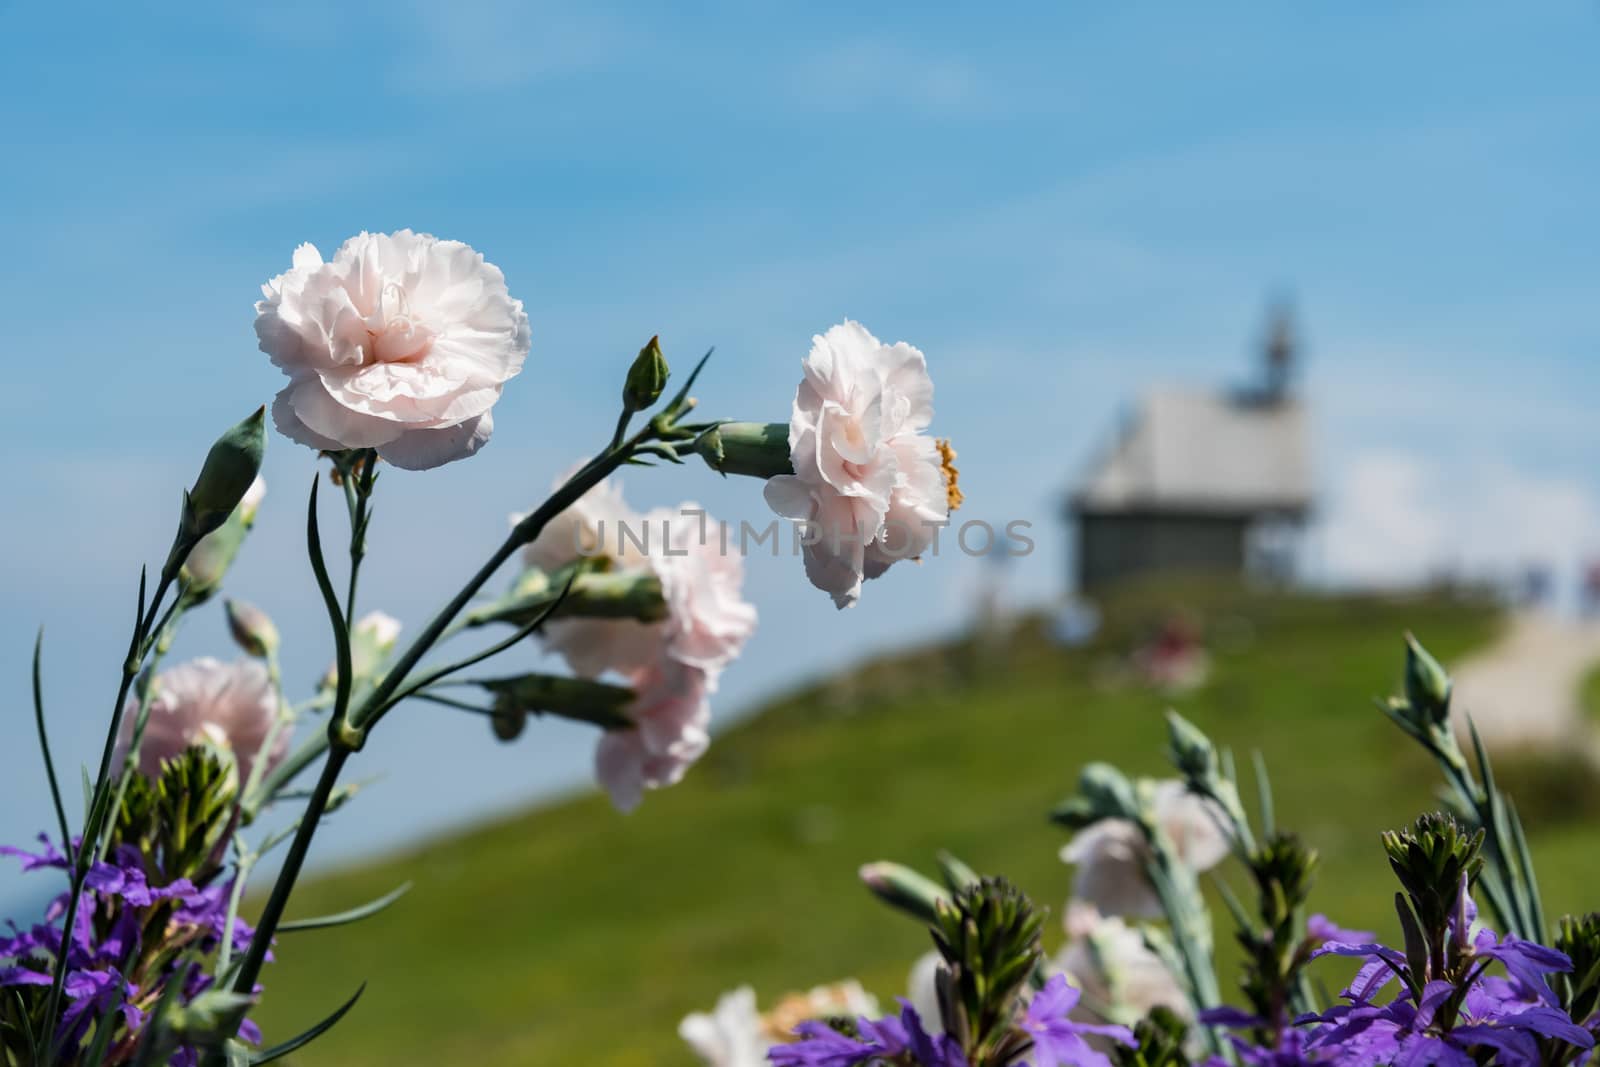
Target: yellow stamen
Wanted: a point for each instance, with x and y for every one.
(952, 477)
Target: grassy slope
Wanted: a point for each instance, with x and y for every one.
(573, 928)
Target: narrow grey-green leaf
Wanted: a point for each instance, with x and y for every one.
(277, 1052)
(345, 917)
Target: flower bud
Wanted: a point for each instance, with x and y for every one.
(1427, 685)
(251, 628)
(755, 449)
(1107, 792)
(1191, 750)
(226, 477)
(211, 1016)
(579, 699)
(508, 721)
(646, 378)
(900, 887)
(372, 638)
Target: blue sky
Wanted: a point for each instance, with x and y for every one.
(1060, 204)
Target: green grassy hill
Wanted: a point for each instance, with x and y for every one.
(574, 934)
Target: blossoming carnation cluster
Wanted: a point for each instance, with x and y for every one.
(1136, 985)
(397, 350)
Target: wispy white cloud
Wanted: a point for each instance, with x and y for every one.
(1397, 517)
(503, 44)
(871, 74)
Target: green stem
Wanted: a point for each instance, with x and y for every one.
(94, 820)
(374, 706)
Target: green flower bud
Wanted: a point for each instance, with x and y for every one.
(646, 378)
(755, 449)
(1107, 792)
(904, 889)
(508, 721)
(251, 628)
(229, 470)
(210, 1017)
(578, 699)
(1427, 685)
(1190, 749)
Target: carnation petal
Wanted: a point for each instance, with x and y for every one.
(424, 449)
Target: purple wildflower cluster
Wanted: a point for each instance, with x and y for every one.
(1508, 1015)
(1449, 1025)
(1057, 1041)
(120, 955)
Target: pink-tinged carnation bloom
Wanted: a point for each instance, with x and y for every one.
(870, 486)
(205, 701)
(708, 620)
(674, 663)
(672, 711)
(1110, 854)
(402, 343)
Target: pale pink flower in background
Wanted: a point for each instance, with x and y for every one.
(590, 528)
(672, 713)
(1121, 978)
(708, 620)
(372, 638)
(674, 663)
(860, 460)
(250, 503)
(1110, 854)
(402, 343)
(204, 701)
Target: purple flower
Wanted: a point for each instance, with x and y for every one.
(108, 939)
(1507, 1015)
(1057, 1041)
(884, 1039)
(1291, 1050)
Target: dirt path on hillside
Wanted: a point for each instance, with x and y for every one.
(1523, 690)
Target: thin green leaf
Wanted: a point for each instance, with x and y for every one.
(102, 1031)
(441, 673)
(345, 917)
(1269, 822)
(682, 397)
(27, 1022)
(151, 1047)
(1519, 841)
(44, 750)
(330, 599)
(1241, 917)
(294, 1044)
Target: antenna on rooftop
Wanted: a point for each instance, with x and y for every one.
(1280, 349)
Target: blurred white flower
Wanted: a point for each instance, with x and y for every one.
(921, 986)
(1110, 854)
(729, 1036)
(736, 1035)
(869, 486)
(1121, 978)
(204, 701)
(402, 342)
